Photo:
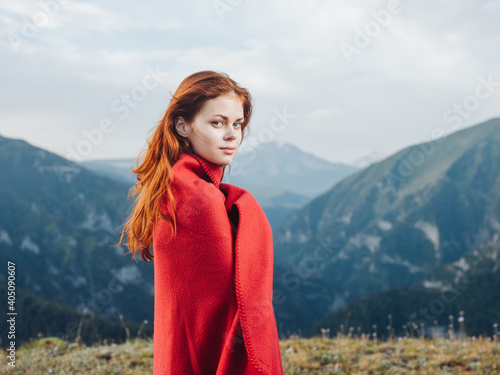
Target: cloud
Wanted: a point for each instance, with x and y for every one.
(324, 112)
(287, 53)
(77, 14)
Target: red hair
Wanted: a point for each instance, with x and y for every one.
(163, 150)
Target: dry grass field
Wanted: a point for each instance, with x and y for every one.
(318, 355)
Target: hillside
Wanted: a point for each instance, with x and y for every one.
(391, 223)
(470, 285)
(58, 225)
(46, 316)
(482, 260)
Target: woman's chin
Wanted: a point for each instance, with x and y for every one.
(225, 161)
(219, 159)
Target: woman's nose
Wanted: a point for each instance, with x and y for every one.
(231, 133)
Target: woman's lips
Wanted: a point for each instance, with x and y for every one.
(228, 150)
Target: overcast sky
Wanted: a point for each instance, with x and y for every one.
(339, 79)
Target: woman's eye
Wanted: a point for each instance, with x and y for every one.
(238, 125)
(216, 122)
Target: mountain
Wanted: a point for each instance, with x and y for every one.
(42, 315)
(394, 221)
(117, 169)
(58, 224)
(484, 259)
(470, 285)
(281, 176)
(390, 224)
(272, 169)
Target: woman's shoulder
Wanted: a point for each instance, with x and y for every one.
(194, 190)
(189, 182)
(234, 192)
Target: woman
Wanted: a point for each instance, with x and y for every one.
(212, 243)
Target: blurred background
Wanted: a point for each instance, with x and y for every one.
(373, 149)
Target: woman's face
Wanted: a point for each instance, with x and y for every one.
(215, 133)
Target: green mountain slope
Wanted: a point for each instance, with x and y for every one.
(58, 223)
(470, 285)
(394, 221)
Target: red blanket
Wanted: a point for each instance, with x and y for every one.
(213, 281)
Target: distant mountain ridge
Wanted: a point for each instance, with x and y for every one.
(286, 167)
(281, 176)
(271, 165)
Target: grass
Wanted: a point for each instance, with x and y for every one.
(343, 355)
(54, 356)
(317, 355)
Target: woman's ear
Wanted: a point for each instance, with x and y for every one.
(180, 126)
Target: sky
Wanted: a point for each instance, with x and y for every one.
(339, 79)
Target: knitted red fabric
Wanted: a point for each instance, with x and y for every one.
(213, 281)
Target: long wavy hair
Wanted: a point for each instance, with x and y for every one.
(164, 147)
